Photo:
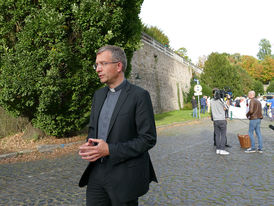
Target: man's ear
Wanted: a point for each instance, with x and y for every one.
(119, 67)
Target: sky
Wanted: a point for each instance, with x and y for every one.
(206, 26)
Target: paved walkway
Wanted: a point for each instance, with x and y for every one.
(188, 170)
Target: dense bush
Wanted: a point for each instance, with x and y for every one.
(157, 34)
(187, 106)
(206, 90)
(219, 73)
(47, 49)
(270, 88)
(258, 87)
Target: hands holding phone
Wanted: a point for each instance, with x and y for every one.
(93, 149)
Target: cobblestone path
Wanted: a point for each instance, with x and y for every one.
(189, 172)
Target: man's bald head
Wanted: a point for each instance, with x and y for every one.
(251, 94)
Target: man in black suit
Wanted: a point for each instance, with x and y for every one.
(121, 131)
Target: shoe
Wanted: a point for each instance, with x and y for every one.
(250, 150)
(260, 150)
(227, 145)
(223, 152)
(217, 151)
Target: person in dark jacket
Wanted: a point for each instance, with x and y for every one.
(203, 105)
(255, 116)
(121, 131)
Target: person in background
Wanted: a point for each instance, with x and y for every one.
(271, 101)
(254, 115)
(206, 107)
(208, 104)
(214, 134)
(203, 104)
(194, 106)
(237, 102)
(218, 108)
(228, 103)
(264, 106)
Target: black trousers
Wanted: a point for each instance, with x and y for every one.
(214, 139)
(220, 132)
(100, 191)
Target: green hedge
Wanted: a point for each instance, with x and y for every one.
(47, 49)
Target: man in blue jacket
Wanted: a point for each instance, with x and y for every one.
(203, 105)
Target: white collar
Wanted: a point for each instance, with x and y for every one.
(112, 89)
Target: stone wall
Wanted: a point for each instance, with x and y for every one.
(155, 68)
(163, 74)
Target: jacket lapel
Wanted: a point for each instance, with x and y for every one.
(122, 98)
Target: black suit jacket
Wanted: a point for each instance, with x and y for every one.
(131, 134)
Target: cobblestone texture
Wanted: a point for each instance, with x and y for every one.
(189, 172)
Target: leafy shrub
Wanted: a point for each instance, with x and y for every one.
(206, 90)
(47, 49)
(157, 34)
(270, 88)
(258, 87)
(187, 106)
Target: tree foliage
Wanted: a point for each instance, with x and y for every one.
(247, 81)
(47, 49)
(259, 70)
(218, 72)
(252, 66)
(265, 49)
(258, 87)
(206, 90)
(268, 69)
(201, 61)
(182, 52)
(270, 88)
(157, 34)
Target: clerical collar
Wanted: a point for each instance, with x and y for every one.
(118, 87)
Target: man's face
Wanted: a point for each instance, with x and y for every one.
(108, 73)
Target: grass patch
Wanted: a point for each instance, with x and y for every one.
(175, 116)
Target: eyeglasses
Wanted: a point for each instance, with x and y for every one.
(103, 64)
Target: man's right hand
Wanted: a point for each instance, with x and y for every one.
(94, 149)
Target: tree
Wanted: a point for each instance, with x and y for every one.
(218, 72)
(247, 81)
(268, 69)
(182, 52)
(258, 87)
(201, 61)
(234, 58)
(157, 34)
(265, 49)
(206, 90)
(252, 66)
(270, 88)
(259, 70)
(47, 49)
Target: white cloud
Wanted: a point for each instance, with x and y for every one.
(202, 27)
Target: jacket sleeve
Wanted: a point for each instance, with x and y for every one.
(145, 129)
(251, 109)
